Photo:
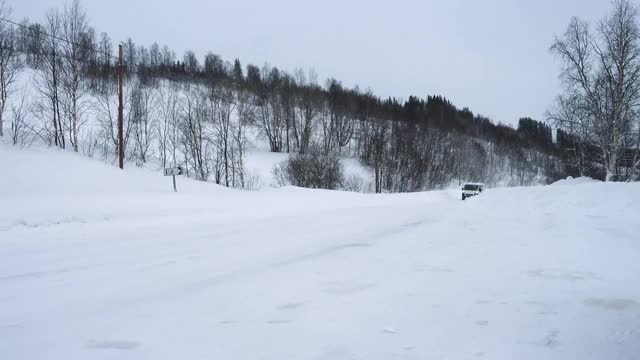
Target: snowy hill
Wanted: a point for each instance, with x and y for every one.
(96, 263)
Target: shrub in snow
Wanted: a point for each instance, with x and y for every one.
(252, 182)
(353, 183)
(310, 170)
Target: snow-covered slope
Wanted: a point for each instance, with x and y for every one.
(96, 263)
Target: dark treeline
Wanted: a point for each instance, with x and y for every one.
(196, 113)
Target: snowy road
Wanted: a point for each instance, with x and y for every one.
(117, 267)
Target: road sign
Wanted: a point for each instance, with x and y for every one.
(173, 171)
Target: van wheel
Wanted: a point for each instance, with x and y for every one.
(463, 197)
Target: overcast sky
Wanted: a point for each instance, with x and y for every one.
(489, 55)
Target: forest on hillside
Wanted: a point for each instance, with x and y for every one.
(59, 86)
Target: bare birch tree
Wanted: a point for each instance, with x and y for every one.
(601, 79)
(10, 62)
(143, 119)
(20, 111)
(193, 129)
(75, 28)
(309, 103)
(169, 108)
(48, 81)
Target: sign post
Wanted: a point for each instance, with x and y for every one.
(173, 172)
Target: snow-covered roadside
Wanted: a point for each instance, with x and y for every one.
(114, 265)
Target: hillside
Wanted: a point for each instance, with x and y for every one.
(104, 264)
(230, 123)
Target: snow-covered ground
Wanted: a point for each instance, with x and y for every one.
(96, 263)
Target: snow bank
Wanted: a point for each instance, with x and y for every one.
(570, 180)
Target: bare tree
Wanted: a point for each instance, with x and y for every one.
(270, 111)
(569, 115)
(601, 79)
(130, 55)
(190, 62)
(143, 116)
(309, 103)
(169, 108)
(379, 129)
(106, 110)
(340, 122)
(287, 91)
(20, 111)
(155, 56)
(75, 28)
(106, 72)
(48, 81)
(246, 115)
(10, 62)
(221, 106)
(197, 150)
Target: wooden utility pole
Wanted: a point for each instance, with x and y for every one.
(120, 116)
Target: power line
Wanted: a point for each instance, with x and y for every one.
(133, 67)
(58, 38)
(47, 54)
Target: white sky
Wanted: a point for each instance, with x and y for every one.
(489, 55)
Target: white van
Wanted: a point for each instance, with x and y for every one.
(471, 189)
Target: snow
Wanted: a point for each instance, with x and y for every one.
(260, 162)
(97, 263)
(570, 180)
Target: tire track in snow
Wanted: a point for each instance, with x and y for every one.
(362, 241)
